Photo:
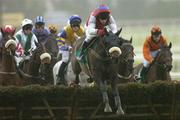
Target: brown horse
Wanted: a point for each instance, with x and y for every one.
(8, 70)
(31, 67)
(52, 48)
(102, 62)
(126, 61)
(160, 68)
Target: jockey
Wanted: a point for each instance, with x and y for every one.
(26, 40)
(65, 41)
(7, 29)
(151, 47)
(40, 30)
(95, 24)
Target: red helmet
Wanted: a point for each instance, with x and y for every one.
(155, 30)
(8, 29)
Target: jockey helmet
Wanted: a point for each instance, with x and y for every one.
(52, 28)
(75, 20)
(8, 29)
(156, 30)
(27, 23)
(103, 12)
(39, 20)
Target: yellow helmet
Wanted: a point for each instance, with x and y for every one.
(52, 28)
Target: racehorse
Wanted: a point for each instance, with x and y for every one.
(161, 66)
(126, 60)
(8, 70)
(52, 48)
(31, 66)
(70, 77)
(102, 59)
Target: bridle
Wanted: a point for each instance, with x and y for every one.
(8, 53)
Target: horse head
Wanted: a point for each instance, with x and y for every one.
(8, 42)
(110, 44)
(126, 59)
(164, 58)
(41, 55)
(9, 74)
(31, 67)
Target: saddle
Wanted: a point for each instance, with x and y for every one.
(84, 58)
(84, 61)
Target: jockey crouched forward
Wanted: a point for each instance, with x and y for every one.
(151, 47)
(40, 30)
(95, 24)
(26, 42)
(65, 41)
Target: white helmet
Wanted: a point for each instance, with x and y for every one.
(26, 22)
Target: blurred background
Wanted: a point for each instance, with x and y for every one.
(135, 17)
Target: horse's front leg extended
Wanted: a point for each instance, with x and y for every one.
(77, 79)
(103, 88)
(117, 98)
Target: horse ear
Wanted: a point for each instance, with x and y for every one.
(118, 32)
(170, 45)
(130, 40)
(14, 31)
(106, 31)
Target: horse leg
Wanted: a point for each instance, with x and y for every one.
(103, 89)
(117, 98)
(77, 79)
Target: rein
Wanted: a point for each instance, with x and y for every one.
(97, 55)
(27, 75)
(7, 73)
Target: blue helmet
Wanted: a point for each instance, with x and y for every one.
(75, 20)
(39, 19)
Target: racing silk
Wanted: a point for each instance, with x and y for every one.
(66, 37)
(41, 35)
(25, 43)
(150, 45)
(93, 24)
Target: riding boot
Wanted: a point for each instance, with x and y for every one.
(143, 73)
(61, 72)
(84, 46)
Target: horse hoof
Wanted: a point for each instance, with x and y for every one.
(107, 109)
(120, 112)
(92, 84)
(73, 84)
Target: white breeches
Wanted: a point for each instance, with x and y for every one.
(153, 54)
(65, 56)
(89, 37)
